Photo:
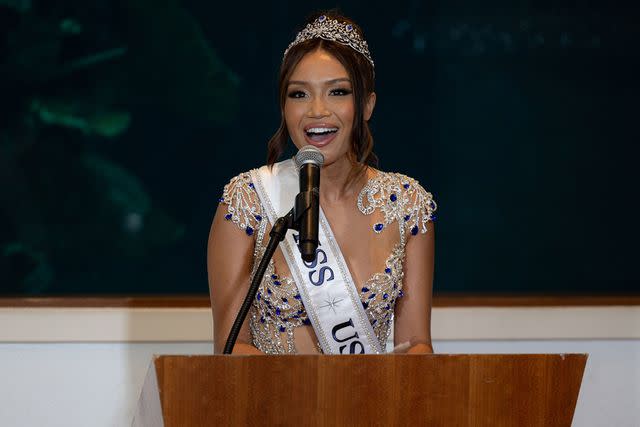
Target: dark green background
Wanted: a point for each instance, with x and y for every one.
(520, 118)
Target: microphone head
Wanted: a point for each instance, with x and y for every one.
(309, 154)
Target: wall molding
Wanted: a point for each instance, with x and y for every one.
(439, 300)
(192, 324)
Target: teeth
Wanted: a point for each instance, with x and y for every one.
(321, 130)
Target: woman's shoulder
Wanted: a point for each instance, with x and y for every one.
(395, 179)
(242, 203)
(400, 198)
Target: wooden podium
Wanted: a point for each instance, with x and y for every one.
(384, 390)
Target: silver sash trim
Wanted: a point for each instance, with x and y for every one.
(325, 285)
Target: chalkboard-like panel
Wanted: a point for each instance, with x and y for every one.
(131, 118)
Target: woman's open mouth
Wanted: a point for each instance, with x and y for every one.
(320, 136)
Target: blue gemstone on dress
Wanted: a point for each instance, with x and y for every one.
(406, 185)
(258, 218)
(349, 27)
(373, 295)
(388, 307)
(278, 311)
(414, 230)
(395, 286)
(274, 276)
(407, 217)
(300, 311)
(306, 321)
(400, 294)
(277, 282)
(378, 227)
(433, 205)
(365, 304)
(269, 291)
(251, 185)
(297, 296)
(433, 217)
(258, 296)
(262, 319)
(385, 296)
(321, 18)
(282, 329)
(374, 321)
(365, 289)
(295, 316)
(228, 217)
(393, 197)
(249, 231)
(221, 199)
(285, 300)
(387, 270)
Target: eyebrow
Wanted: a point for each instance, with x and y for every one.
(328, 82)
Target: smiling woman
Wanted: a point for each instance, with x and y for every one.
(319, 109)
(373, 273)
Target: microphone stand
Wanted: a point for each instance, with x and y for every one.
(305, 200)
(290, 221)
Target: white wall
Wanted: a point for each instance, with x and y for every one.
(77, 384)
(97, 383)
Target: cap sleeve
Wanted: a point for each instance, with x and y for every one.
(420, 208)
(243, 205)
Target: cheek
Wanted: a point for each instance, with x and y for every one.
(347, 113)
(291, 116)
(346, 117)
(292, 119)
(287, 114)
(294, 108)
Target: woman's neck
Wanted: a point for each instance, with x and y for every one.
(333, 178)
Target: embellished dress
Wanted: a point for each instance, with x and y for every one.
(393, 200)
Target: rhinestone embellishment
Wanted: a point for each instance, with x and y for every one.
(278, 307)
(331, 29)
(398, 198)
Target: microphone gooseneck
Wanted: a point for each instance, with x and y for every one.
(307, 207)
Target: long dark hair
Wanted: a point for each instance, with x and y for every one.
(361, 74)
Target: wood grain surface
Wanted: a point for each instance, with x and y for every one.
(385, 390)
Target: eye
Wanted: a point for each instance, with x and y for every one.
(296, 94)
(340, 92)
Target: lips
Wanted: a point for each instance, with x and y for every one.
(320, 134)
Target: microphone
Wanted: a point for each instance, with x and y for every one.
(307, 207)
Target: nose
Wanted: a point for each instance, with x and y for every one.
(318, 108)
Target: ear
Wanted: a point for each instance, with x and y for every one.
(369, 106)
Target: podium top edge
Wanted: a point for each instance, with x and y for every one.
(436, 355)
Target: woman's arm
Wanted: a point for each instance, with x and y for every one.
(229, 260)
(413, 311)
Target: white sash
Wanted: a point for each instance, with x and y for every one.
(326, 286)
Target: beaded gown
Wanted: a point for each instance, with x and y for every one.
(396, 205)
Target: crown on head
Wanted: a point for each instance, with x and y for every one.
(330, 29)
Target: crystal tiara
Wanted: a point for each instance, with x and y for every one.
(330, 29)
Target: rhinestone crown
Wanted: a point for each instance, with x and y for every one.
(330, 29)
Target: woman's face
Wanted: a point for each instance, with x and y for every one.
(319, 106)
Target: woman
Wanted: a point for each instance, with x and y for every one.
(381, 222)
